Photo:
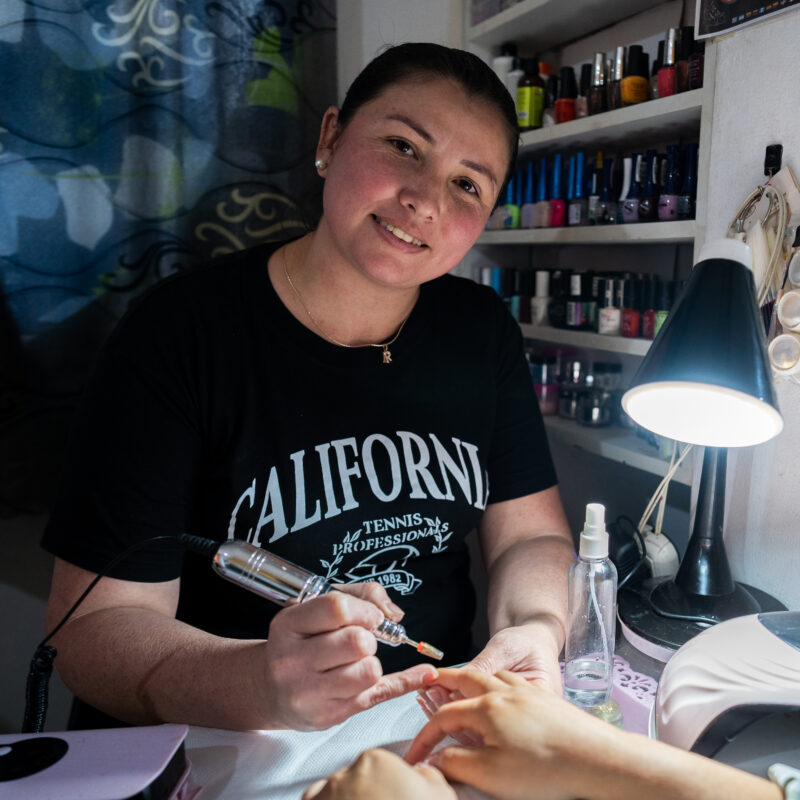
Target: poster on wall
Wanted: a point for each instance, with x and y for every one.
(715, 17)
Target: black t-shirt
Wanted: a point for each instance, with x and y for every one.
(215, 412)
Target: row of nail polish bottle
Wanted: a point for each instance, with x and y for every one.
(611, 305)
(659, 187)
(650, 187)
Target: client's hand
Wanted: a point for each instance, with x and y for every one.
(530, 650)
(532, 738)
(379, 773)
(320, 665)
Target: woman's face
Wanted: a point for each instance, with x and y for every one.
(411, 180)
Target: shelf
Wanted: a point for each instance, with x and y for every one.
(616, 444)
(535, 24)
(682, 232)
(586, 340)
(674, 117)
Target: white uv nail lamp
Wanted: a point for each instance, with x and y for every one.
(732, 693)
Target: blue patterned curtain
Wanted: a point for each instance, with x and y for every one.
(137, 138)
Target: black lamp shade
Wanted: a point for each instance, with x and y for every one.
(706, 378)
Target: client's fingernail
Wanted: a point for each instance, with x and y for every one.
(438, 696)
(426, 707)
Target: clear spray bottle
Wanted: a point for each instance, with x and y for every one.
(589, 651)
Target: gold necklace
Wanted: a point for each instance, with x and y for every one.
(387, 356)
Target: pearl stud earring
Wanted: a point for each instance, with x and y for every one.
(320, 164)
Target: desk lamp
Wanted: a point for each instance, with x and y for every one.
(705, 380)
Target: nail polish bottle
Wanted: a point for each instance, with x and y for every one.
(499, 217)
(597, 99)
(686, 198)
(545, 69)
(541, 300)
(609, 315)
(497, 280)
(582, 100)
(668, 199)
(627, 169)
(653, 88)
(576, 316)
(664, 300)
(615, 83)
(635, 82)
(543, 372)
(512, 293)
(631, 303)
(526, 213)
(551, 95)
(523, 290)
(648, 200)
(557, 308)
(606, 210)
(567, 92)
(512, 79)
(596, 183)
(510, 207)
(696, 64)
(592, 299)
(557, 205)
(649, 294)
(630, 209)
(519, 190)
(570, 186)
(503, 63)
(578, 211)
(685, 50)
(667, 82)
(530, 96)
(507, 283)
(630, 205)
(619, 289)
(541, 212)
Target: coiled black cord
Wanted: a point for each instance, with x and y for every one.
(37, 687)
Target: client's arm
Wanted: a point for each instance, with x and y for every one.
(536, 745)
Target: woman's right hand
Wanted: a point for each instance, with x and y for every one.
(321, 666)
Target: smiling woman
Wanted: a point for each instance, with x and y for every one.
(271, 418)
(406, 194)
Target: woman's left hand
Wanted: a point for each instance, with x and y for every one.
(529, 650)
(379, 773)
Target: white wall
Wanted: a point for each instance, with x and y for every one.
(364, 27)
(756, 103)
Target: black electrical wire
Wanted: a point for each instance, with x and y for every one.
(636, 534)
(41, 666)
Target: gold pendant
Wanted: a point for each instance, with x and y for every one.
(387, 356)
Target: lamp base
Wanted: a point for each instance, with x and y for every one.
(669, 600)
(644, 623)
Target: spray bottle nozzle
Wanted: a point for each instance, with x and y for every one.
(595, 518)
(594, 539)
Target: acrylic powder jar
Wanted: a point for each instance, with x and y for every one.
(594, 408)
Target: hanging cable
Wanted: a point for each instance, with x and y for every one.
(41, 666)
